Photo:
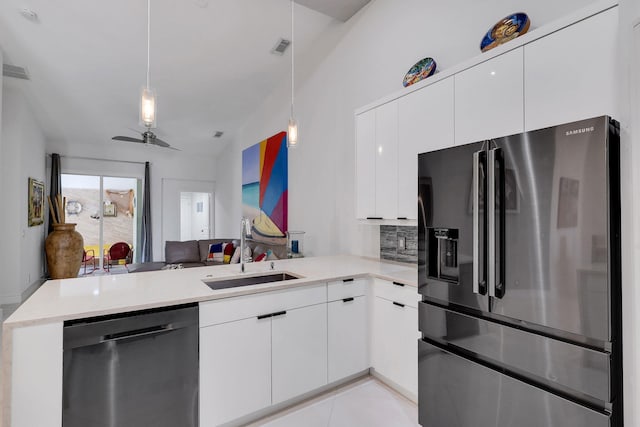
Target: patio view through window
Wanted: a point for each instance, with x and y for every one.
(105, 210)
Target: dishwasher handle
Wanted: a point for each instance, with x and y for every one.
(137, 333)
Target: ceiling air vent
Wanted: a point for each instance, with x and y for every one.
(9, 70)
(280, 47)
(218, 134)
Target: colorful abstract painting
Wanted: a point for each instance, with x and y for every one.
(264, 188)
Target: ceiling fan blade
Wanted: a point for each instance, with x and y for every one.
(157, 141)
(127, 139)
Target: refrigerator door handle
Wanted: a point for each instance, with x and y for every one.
(496, 284)
(500, 284)
(478, 286)
(490, 206)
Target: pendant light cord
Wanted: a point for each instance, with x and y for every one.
(293, 47)
(148, 37)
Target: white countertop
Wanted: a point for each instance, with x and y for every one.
(59, 300)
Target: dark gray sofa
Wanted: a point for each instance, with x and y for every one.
(193, 253)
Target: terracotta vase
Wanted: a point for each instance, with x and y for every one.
(64, 248)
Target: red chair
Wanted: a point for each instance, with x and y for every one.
(117, 252)
(89, 257)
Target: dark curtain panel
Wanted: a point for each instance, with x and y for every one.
(146, 255)
(56, 182)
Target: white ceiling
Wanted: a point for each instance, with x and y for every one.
(210, 63)
(342, 10)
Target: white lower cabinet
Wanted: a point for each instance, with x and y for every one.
(250, 363)
(235, 369)
(348, 344)
(264, 349)
(394, 342)
(299, 352)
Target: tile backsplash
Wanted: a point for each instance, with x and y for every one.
(391, 239)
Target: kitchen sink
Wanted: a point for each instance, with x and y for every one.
(249, 280)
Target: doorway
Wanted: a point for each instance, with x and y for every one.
(194, 215)
(105, 210)
(188, 196)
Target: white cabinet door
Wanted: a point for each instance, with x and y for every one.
(570, 75)
(489, 99)
(299, 351)
(386, 152)
(395, 343)
(366, 164)
(348, 343)
(235, 370)
(425, 123)
(36, 375)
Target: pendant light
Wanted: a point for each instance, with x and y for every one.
(292, 130)
(148, 105)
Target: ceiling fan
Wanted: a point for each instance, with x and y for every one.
(148, 137)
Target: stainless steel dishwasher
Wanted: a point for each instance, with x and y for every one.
(132, 370)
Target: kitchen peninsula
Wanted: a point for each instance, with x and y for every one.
(33, 335)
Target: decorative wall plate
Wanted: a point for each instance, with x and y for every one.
(420, 70)
(505, 30)
(73, 207)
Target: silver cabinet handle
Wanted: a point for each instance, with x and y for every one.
(490, 207)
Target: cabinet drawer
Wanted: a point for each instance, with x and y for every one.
(236, 308)
(396, 292)
(346, 288)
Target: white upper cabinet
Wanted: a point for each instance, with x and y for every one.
(386, 152)
(365, 164)
(570, 74)
(564, 75)
(425, 123)
(489, 99)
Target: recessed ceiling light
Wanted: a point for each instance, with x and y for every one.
(218, 134)
(29, 14)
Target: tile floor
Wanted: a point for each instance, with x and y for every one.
(365, 403)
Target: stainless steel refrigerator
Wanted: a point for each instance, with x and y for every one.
(519, 273)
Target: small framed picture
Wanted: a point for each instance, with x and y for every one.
(110, 210)
(36, 202)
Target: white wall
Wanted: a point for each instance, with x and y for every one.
(359, 62)
(21, 157)
(629, 92)
(165, 164)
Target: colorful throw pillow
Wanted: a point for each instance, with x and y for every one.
(228, 252)
(235, 259)
(215, 253)
(247, 254)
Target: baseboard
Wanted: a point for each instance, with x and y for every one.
(10, 299)
(262, 415)
(394, 386)
(31, 289)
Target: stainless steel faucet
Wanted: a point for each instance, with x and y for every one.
(245, 231)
